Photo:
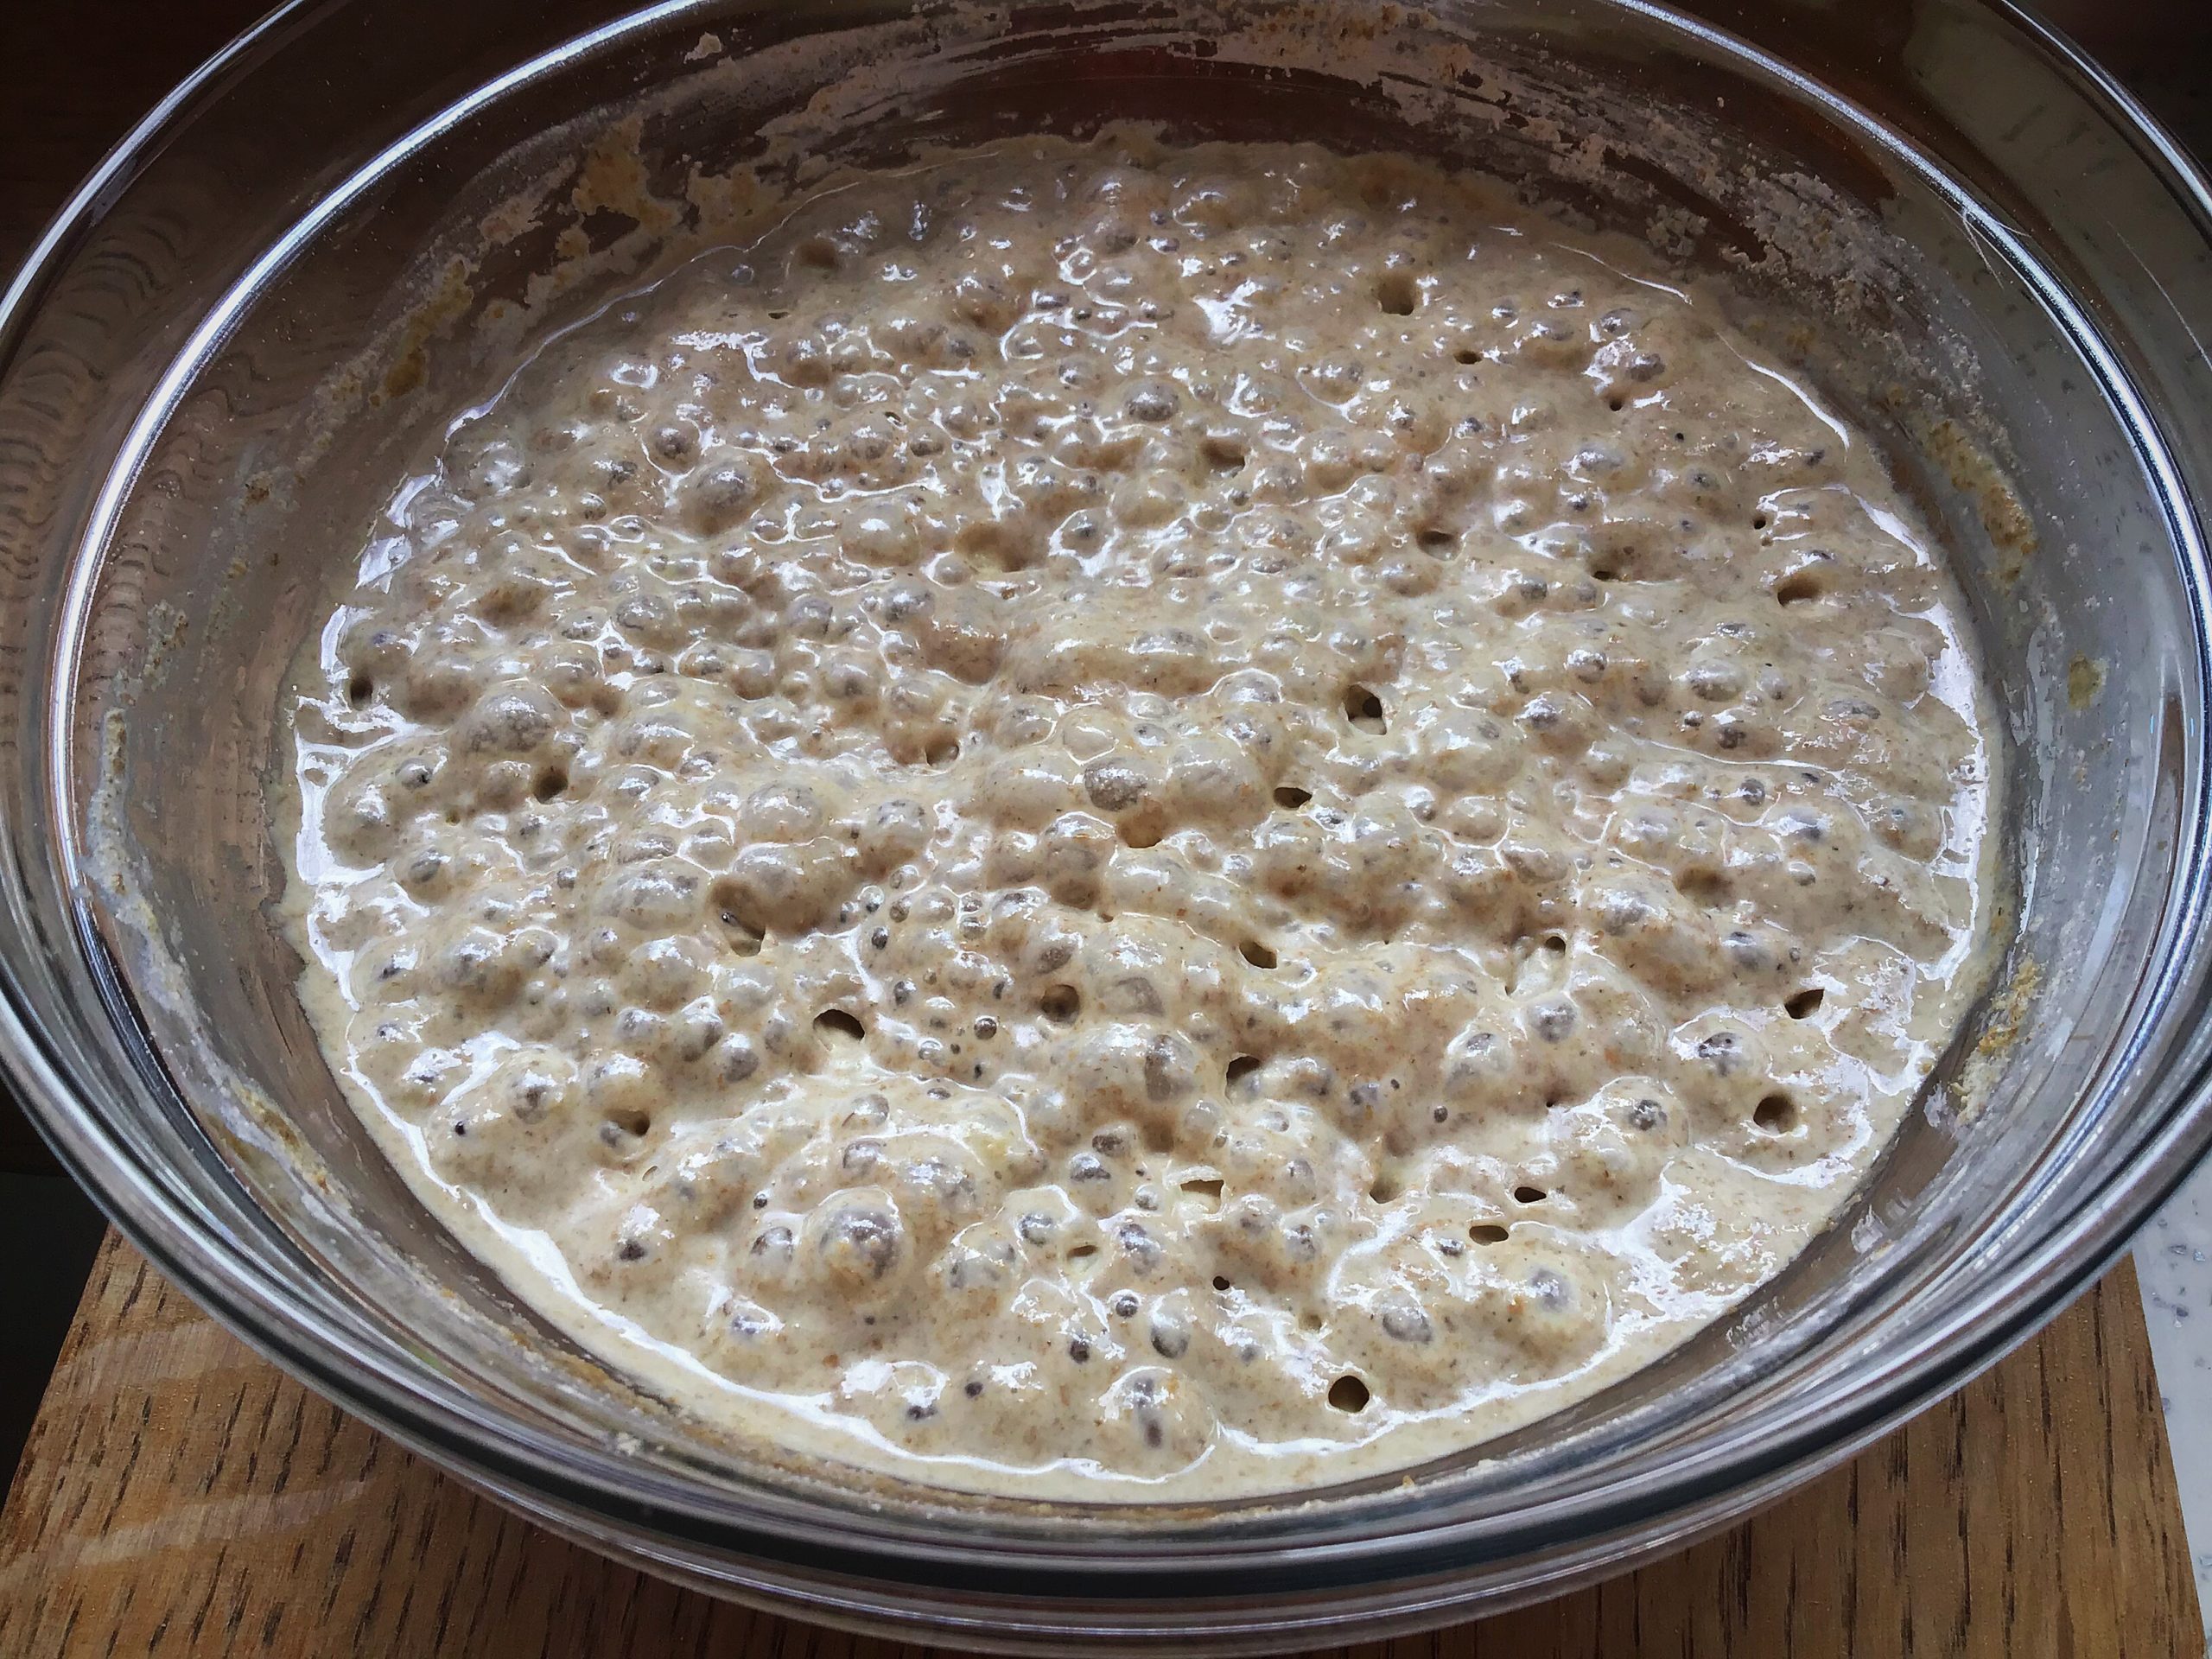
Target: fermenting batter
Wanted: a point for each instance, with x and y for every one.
(1130, 822)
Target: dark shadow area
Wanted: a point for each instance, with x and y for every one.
(48, 1233)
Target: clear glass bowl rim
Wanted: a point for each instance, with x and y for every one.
(421, 1410)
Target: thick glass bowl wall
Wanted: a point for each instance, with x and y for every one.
(250, 320)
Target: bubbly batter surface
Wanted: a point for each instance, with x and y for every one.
(1134, 821)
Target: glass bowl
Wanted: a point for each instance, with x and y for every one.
(318, 248)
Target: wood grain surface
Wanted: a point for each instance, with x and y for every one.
(181, 1496)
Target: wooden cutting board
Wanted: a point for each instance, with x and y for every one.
(181, 1496)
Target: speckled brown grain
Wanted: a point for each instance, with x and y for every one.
(1141, 820)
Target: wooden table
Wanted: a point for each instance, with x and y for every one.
(181, 1496)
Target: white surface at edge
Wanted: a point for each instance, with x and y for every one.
(2173, 1260)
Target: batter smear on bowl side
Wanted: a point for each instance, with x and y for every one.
(1119, 821)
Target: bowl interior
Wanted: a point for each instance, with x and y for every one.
(319, 342)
